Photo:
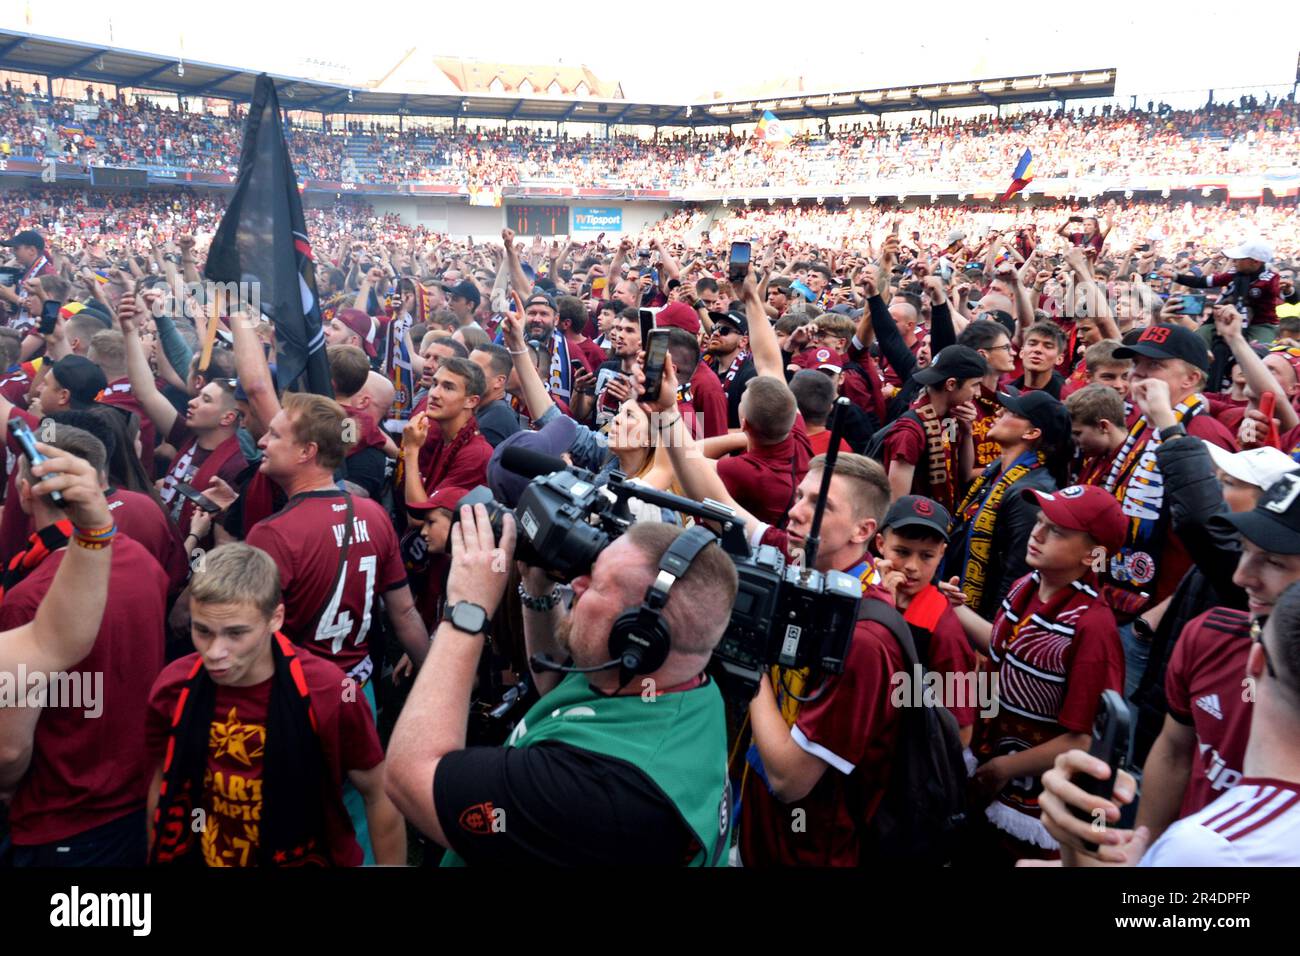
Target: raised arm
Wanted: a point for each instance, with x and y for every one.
(1227, 322)
(518, 278)
(762, 337)
(157, 407)
(251, 369)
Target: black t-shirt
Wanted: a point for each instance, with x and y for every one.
(367, 469)
(1052, 388)
(559, 806)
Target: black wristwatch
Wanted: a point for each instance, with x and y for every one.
(469, 618)
(1176, 430)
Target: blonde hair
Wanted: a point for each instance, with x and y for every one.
(317, 420)
(237, 574)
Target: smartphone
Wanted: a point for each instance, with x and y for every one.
(49, 316)
(656, 352)
(1193, 305)
(1076, 219)
(22, 433)
(647, 318)
(201, 500)
(1111, 741)
(738, 267)
(1145, 247)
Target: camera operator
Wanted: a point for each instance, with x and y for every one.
(793, 812)
(606, 768)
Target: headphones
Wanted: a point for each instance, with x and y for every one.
(639, 640)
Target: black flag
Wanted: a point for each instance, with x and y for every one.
(263, 239)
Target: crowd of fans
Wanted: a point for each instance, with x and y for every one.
(1068, 465)
(1246, 137)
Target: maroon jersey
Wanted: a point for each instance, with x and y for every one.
(1261, 294)
(232, 785)
(1052, 662)
(853, 728)
(326, 612)
(196, 466)
(459, 463)
(709, 400)
(14, 385)
(763, 479)
(1205, 685)
(119, 395)
(139, 517)
(88, 765)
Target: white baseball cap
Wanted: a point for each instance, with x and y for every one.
(1251, 249)
(1260, 467)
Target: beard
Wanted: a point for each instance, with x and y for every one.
(563, 635)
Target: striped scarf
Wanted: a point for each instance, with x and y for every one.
(979, 513)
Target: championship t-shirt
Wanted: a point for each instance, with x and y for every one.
(232, 784)
(327, 612)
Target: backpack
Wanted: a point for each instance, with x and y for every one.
(922, 814)
(876, 444)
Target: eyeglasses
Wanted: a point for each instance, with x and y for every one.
(1257, 637)
(999, 348)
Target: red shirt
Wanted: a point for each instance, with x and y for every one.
(459, 463)
(1051, 669)
(305, 538)
(853, 728)
(907, 442)
(588, 352)
(709, 399)
(90, 770)
(987, 411)
(820, 443)
(119, 395)
(1203, 685)
(14, 385)
(1262, 295)
(763, 479)
(138, 516)
(950, 650)
(232, 792)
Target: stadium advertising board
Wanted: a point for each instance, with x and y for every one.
(596, 219)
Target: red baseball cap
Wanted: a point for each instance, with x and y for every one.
(678, 315)
(1084, 508)
(821, 358)
(361, 324)
(446, 498)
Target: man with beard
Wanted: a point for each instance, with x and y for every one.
(727, 353)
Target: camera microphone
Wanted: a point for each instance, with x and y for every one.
(529, 463)
(540, 662)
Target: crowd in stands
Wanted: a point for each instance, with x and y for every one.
(1248, 136)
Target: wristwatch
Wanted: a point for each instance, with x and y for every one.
(1176, 430)
(468, 617)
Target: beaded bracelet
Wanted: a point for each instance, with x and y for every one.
(544, 603)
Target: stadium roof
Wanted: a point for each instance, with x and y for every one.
(130, 69)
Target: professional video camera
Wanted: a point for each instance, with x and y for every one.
(784, 614)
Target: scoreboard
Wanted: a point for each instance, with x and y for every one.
(538, 220)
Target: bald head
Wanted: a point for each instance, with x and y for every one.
(381, 393)
(904, 315)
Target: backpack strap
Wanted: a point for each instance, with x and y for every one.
(873, 609)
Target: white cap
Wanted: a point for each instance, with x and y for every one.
(1260, 467)
(1251, 249)
(956, 236)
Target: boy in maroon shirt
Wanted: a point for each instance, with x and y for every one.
(920, 455)
(1054, 647)
(442, 445)
(255, 738)
(80, 782)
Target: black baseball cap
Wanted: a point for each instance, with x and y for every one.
(956, 361)
(465, 289)
(917, 511)
(1166, 342)
(28, 237)
(540, 298)
(1274, 523)
(81, 377)
(736, 320)
(1042, 411)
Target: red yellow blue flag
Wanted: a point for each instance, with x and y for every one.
(1023, 175)
(771, 131)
